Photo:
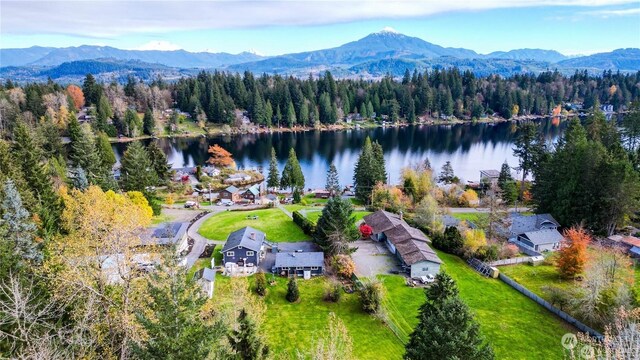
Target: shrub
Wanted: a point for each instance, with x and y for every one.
(450, 242)
(371, 296)
(307, 226)
(170, 199)
(508, 251)
(293, 294)
(333, 291)
(488, 252)
(343, 265)
(296, 196)
(261, 283)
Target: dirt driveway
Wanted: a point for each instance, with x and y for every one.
(373, 258)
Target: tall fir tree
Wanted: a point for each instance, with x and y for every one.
(148, 123)
(336, 227)
(173, 320)
(83, 151)
(369, 171)
(291, 115)
(159, 162)
(137, 172)
(246, 342)
(20, 230)
(505, 175)
(333, 182)
(35, 173)
(446, 327)
(273, 179)
(292, 176)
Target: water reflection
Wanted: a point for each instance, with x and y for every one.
(469, 147)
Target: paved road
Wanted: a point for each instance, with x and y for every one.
(199, 241)
(483, 210)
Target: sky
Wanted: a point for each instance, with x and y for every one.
(269, 27)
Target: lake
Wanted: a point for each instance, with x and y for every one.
(469, 147)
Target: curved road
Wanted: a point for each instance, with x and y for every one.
(199, 241)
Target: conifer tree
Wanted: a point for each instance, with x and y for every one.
(505, 175)
(268, 114)
(446, 328)
(336, 227)
(292, 176)
(333, 183)
(159, 162)
(304, 114)
(273, 179)
(104, 113)
(246, 342)
(35, 173)
(82, 151)
(446, 175)
(20, 231)
(291, 115)
(173, 320)
(137, 172)
(293, 294)
(369, 170)
(148, 123)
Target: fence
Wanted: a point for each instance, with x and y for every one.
(518, 260)
(563, 315)
(524, 248)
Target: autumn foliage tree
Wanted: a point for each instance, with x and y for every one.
(572, 255)
(76, 95)
(220, 156)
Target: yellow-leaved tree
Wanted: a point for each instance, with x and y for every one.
(96, 263)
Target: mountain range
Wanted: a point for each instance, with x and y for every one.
(372, 56)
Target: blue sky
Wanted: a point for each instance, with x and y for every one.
(277, 27)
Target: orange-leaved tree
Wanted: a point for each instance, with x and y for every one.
(77, 96)
(220, 156)
(572, 255)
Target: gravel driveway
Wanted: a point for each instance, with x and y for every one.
(373, 258)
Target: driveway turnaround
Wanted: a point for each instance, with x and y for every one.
(373, 258)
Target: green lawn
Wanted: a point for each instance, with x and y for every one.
(291, 327)
(162, 218)
(517, 327)
(278, 226)
(470, 216)
(535, 278)
(314, 215)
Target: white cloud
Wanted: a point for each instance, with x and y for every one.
(98, 18)
(608, 13)
(159, 45)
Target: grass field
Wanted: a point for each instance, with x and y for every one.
(278, 226)
(517, 327)
(289, 327)
(470, 216)
(206, 262)
(314, 215)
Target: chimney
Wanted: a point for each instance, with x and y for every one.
(252, 236)
(400, 215)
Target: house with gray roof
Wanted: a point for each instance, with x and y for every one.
(244, 247)
(301, 264)
(407, 243)
(490, 176)
(231, 193)
(167, 234)
(252, 194)
(538, 232)
(450, 221)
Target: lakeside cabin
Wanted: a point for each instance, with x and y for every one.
(538, 232)
(231, 193)
(244, 248)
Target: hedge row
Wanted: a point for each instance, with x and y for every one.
(307, 226)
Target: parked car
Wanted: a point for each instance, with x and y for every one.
(190, 204)
(428, 279)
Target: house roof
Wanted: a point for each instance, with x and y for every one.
(381, 221)
(254, 190)
(521, 224)
(271, 197)
(490, 173)
(635, 250)
(410, 242)
(165, 234)
(247, 237)
(414, 251)
(303, 259)
(205, 274)
(544, 236)
(232, 189)
(631, 240)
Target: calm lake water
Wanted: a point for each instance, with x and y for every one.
(469, 147)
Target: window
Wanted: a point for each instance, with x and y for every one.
(425, 269)
(239, 247)
(298, 267)
(251, 253)
(285, 268)
(314, 268)
(231, 253)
